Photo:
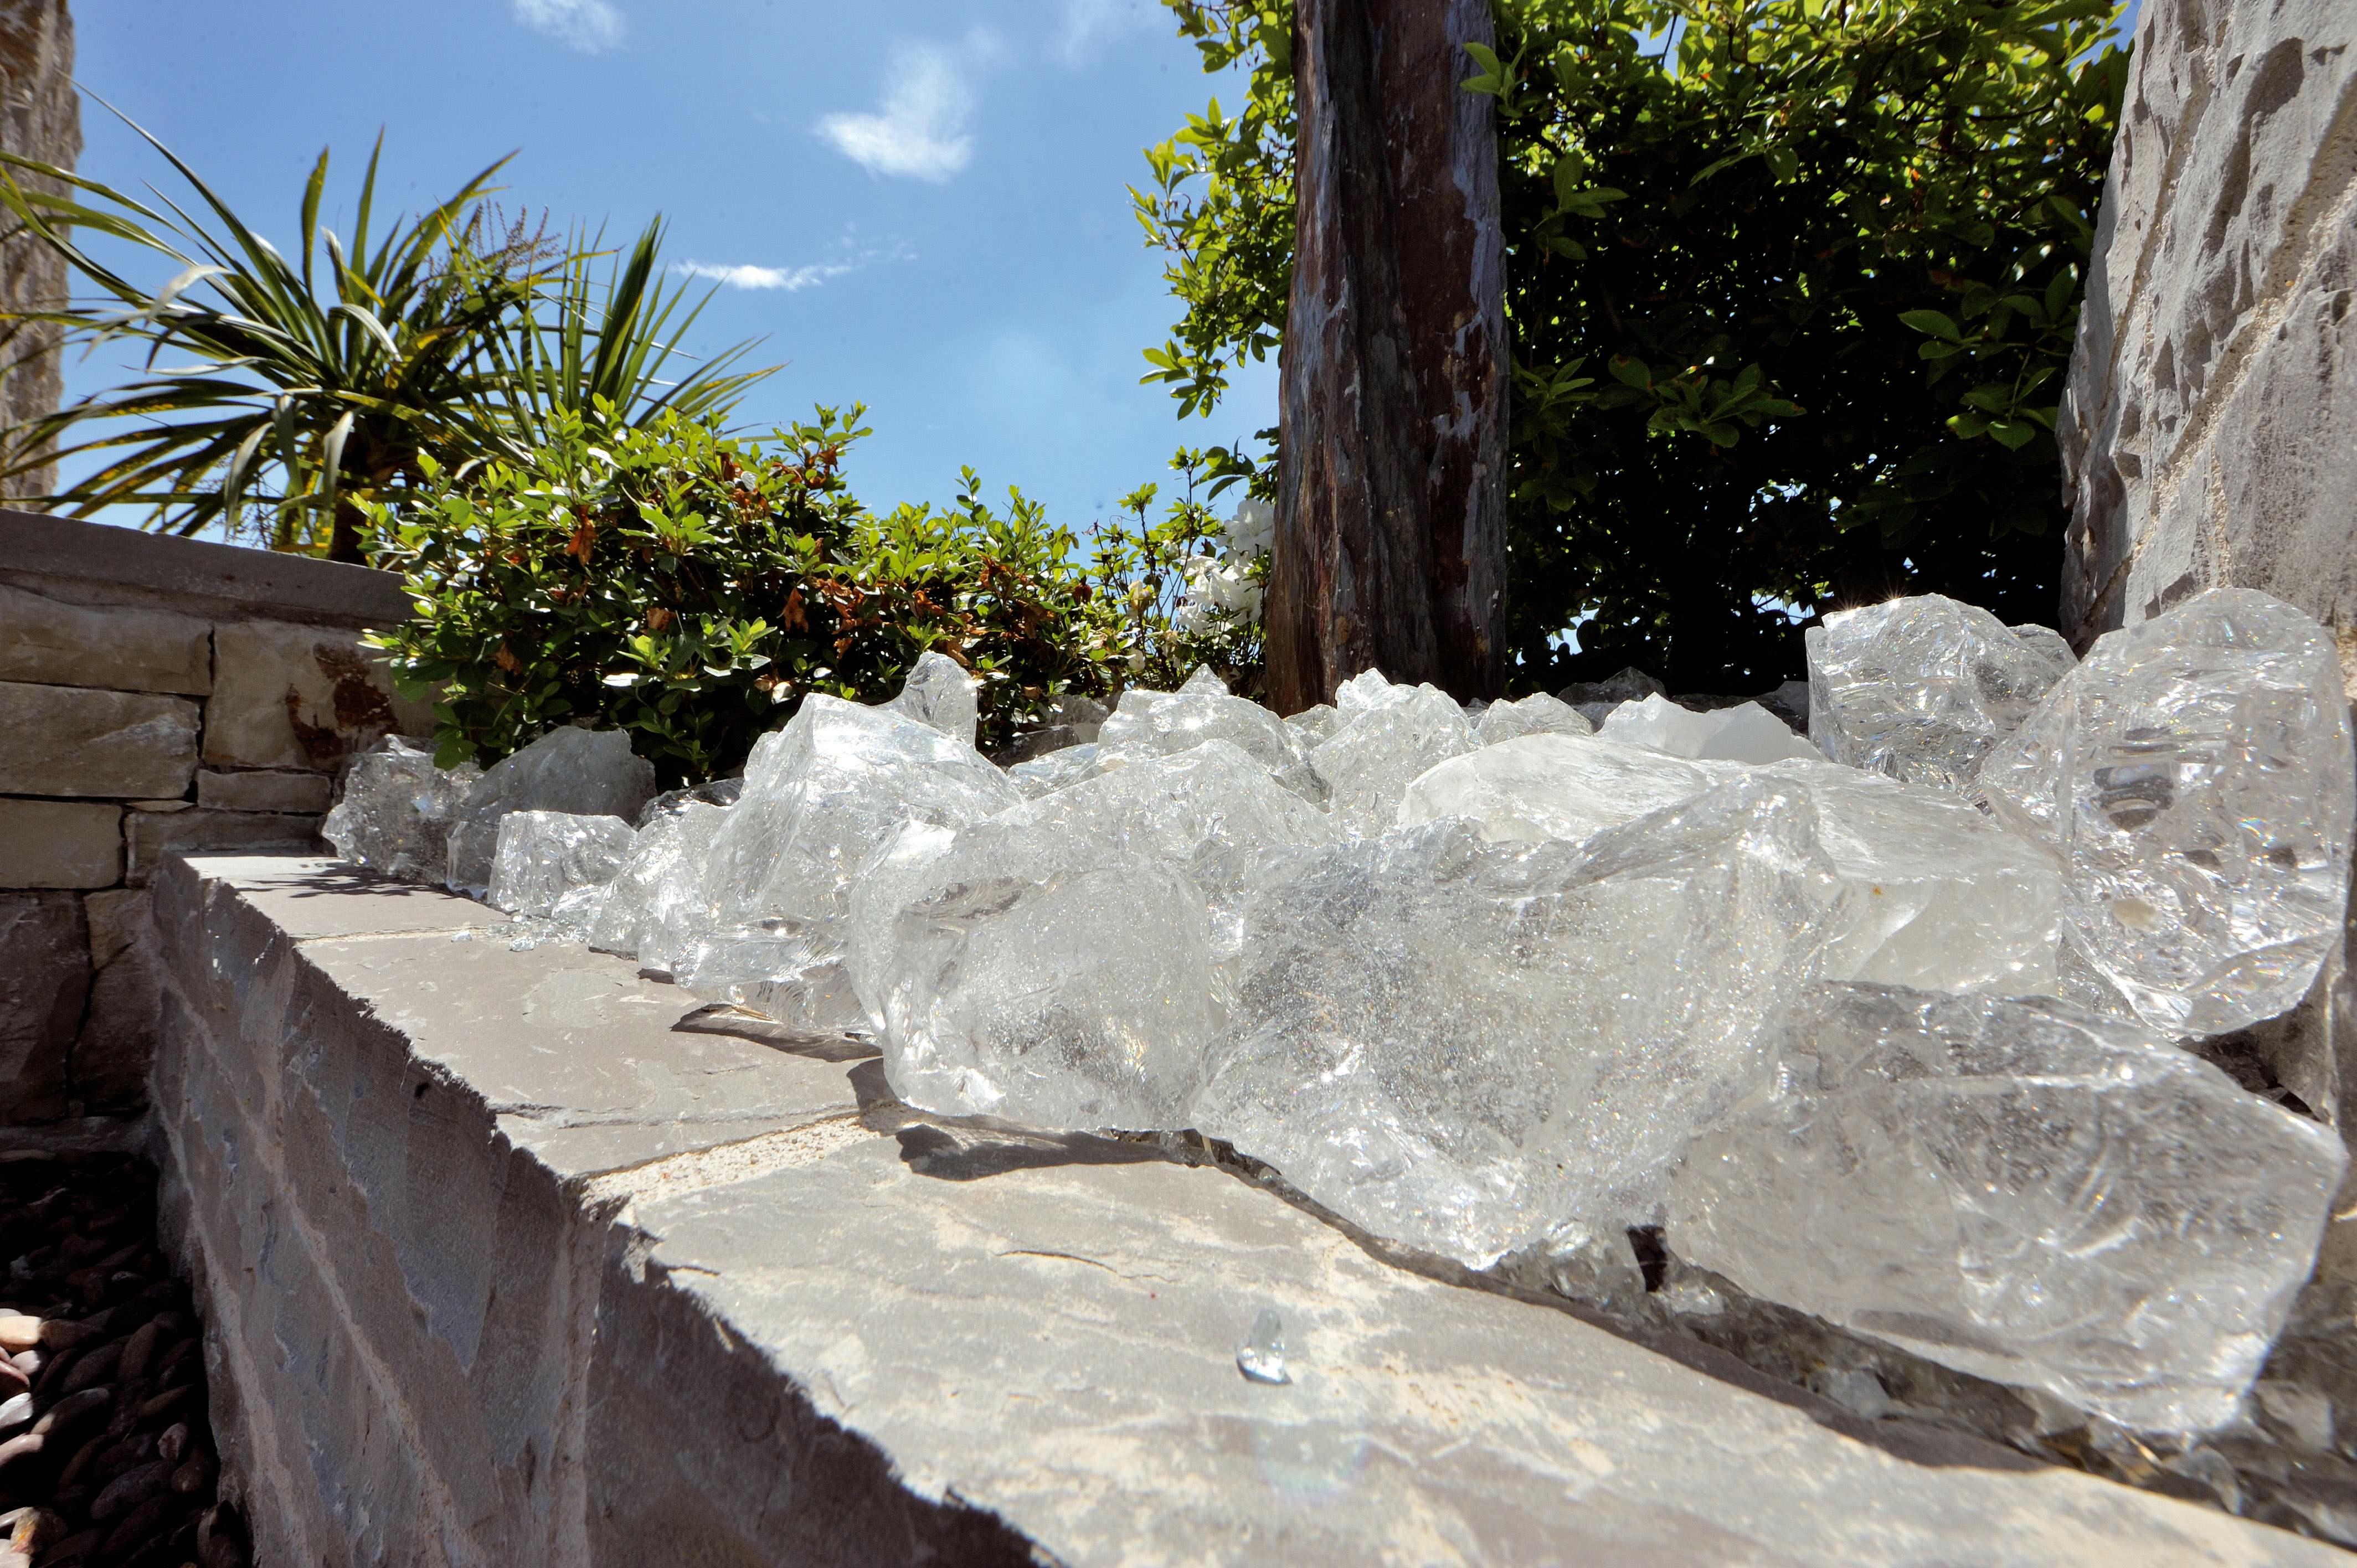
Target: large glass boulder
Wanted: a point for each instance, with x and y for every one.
(821, 795)
(954, 939)
(1556, 786)
(555, 865)
(1537, 715)
(394, 816)
(1388, 736)
(1158, 724)
(580, 772)
(1467, 1046)
(658, 899)
(2194, 774)
(1922, 688)
(2019, 1189)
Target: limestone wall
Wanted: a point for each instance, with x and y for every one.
(40, 118)
(2209, 429)
(155, 694)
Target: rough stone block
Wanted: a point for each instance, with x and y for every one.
(116, 1043)
(59, 844)
(118, 646)
(44, 978)
(116, 916)
(151, 835)
(71, 740)
(302, 794)
(300, 696)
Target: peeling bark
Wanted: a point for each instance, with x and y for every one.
(1390, 548)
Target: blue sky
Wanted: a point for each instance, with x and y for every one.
(921, 205)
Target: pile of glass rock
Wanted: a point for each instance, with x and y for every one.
(1892, 1024)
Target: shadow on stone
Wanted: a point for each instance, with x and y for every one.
(721, 1018)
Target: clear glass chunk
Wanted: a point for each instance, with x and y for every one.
(2019, 1189)
(1922, 688)
(939, 695)
(580, 772)
(1538, 715)
(1464, 1045)
(545, 857)
(2195, 777)
(394, 816)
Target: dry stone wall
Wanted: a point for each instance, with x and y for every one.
(156, 694)
(2209, 429)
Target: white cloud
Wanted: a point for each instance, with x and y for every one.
(920, 130)
(791, 279)
(590, 26)
(1088, 25)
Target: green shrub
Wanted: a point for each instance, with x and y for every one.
(690, 587)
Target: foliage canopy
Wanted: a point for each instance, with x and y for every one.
(1791, 286)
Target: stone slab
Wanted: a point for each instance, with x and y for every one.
(71, 740)
(190, 573)
(121, 648)
(1056, 1342)
(307, 897)
(574, 1284)
(44, 978)
(59, 844)
(300, 697)
(575, 1052)
(149, 836)
(301, 794)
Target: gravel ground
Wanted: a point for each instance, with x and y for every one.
(106, 1453)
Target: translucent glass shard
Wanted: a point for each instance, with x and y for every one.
(1744, 732)
(955, 943)
(820, 796)
(1204, 679)
(1922, 688)
(2195, 777)
(1389, 735)
(585, 773)
(1465, 1045)
(1157, 724)
(1556, 786)
(545, 858)
(1539, 715)
(941, 695)
(395, 813)
(1262, 1358)
(2019, 1189)
(658, 897)
(1079, 999)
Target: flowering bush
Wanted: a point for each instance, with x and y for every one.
(1190, 588)
(691, 588)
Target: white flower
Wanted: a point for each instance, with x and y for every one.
(1252, 529)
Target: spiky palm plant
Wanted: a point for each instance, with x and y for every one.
(317, 384)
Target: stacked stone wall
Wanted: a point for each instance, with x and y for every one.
(156, 694)
(2209, 429)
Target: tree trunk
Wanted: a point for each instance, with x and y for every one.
(1390, 548)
